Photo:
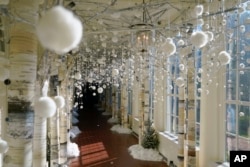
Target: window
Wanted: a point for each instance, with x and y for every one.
(197, 95)
(172, 95)
(237, 84)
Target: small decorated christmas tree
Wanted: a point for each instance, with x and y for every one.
(150, 138)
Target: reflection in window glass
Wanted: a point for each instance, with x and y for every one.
(244, 89)
(231, 118)
(237, 84)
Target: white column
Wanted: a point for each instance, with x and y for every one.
(40, 141)
(212, 116)
(21, 91)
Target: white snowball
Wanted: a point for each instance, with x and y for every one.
(210, 35)
(224, 57)
(198, 10)
(4, 73)
(78, 76)
(180, 42)
(3, 146)
(100, 90)
(115, 72)
(59, 30)
(200, 22)
(180, 82)
(169, 47)
(181, 67)
(199, 39)
(45, 107)
(60, 101)
(242, 114)
(242, 28)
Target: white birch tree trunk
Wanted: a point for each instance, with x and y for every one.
(21, 91)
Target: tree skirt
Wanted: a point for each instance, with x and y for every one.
(138, 152)
(120, 129)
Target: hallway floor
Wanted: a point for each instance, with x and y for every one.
(100, 147)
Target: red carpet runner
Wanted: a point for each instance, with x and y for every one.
(100, 147)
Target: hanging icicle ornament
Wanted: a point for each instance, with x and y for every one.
(199, 39)
(224, 58)
(4, 147)
(60, 101)
(4, 73)
(45, 106)
(180, 82)
(59, 30)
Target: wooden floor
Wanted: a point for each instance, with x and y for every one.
(100, 147)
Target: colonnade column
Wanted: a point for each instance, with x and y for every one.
(181, 122)
(211, 149)
(191, 145)
(21, 91)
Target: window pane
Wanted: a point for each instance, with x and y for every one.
(231, 85)
(231, 118)
(244, 90)
(198, 111)
(197, 134)
(244, 120)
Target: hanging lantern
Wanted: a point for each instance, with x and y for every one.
(143, 40)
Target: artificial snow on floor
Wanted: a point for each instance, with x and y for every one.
(113, 120)
(106, 113)
(138, 152)
(72, 150)
(120, 129)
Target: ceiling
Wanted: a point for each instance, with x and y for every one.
(110, 25)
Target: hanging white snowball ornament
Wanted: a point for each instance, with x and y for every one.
(169, 47)
(3, 146)
(200, 22)
(45, 107)
(60, 101)
(242, 28)
(181, 67)
(59, 30)
(224, 57)
(180, 42)
(4, 73)
(180, 82)
(199, 39)
(78, 76)
(94, 94)
(115, 72)
(100, 90)
(198, 10)
(210, 35)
